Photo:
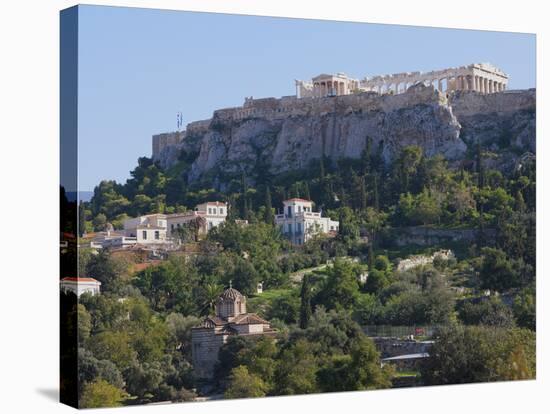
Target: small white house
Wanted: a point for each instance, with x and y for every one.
(148, 229)
(212, 213)
(299, 222)
(80, 285)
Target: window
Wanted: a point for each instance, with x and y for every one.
(214, 210)
(157, 235)
(221, 210)
(298, 227)
(289, 211)
(209, 210)
(289, 227)
(172, 227)
(144, 234)
(210, 224)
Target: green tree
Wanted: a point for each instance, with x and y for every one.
(305, 302)
(100, 393)
(99, 222)
(492, 312)
(269, 217)
(341, 290)
(114, 346)
(497, 272)
(90, 369)
(296, 370)
(525, 308)
(243, 384)
(103, 268)
(466, 354)
(84, 323)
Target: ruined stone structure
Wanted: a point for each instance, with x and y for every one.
(421, 260)
(479, 77)
(290, 132)
(231, 319)
(327, 85)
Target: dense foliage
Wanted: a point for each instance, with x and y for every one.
(134, 338)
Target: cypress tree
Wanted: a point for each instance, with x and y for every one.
(480, 169)
(269, 218)
(81, 218)
(366, 158)
(244, 201)
(376, 197)
(370, 258)
(363, 193)
(305, 302)
(520, 202)
(307, 194)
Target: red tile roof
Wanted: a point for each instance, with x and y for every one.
(299, 199)
(79, 279)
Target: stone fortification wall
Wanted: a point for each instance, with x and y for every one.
(273, 108)
(288, 133)
(166, 146)
(161, 141)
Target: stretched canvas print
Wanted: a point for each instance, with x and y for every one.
(256, 206)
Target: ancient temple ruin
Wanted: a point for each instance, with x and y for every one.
(479, 77)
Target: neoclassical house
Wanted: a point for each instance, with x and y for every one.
(231, 319)
(299, 222)
(209, 215)
(80, 285)
(148, 229)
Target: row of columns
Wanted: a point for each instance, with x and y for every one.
(328, 88)
(479, 84)
(462, 82)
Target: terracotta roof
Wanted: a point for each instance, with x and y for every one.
(79, 279)
(211, 322)
(248, 319)
(299, 199)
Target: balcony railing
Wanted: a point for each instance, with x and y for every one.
(305, 214)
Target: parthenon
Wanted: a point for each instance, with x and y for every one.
(479, 77)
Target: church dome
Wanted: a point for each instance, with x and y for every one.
(231, 294)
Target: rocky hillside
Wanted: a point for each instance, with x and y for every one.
(289, 138)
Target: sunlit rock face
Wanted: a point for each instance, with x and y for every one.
(277, 135)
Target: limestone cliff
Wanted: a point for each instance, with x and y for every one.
(286, 134)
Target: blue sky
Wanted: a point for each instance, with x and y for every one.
(139, 67)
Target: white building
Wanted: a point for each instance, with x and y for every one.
(149, 229)
(209, 215)
(299, 223)
(80, 285)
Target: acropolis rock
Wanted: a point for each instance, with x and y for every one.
(281, 134)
